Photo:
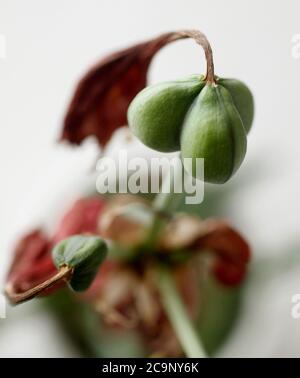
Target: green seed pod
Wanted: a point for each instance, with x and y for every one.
(203, 120)
(213, 130)
(156, 114)
(82, 253)
(242, 98)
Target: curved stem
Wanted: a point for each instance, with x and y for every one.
(178, 316)
(201, 39)
(64, 273)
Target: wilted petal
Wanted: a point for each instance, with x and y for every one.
(83, 217)
(124, 220)
(32, 263)
(100, 102)
(230, 248)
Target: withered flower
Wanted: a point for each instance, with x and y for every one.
(125, 293)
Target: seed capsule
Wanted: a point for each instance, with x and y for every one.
(156, 114)
(203, 120)
(84, 254)
(213, 130)
(242, 98)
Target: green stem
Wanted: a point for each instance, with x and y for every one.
(166, 201)
(178, 316)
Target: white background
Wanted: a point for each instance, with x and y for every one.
(50, 44)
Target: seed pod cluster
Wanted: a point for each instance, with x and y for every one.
(202, 119)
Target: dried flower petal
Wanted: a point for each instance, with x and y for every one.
(228, 273)
(83, 217)
(127, 299)
(125, 219)
(187, 232)
(99, 104)
(231, 249)
(32, 263)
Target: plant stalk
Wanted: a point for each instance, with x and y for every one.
(178, 316)
(201, 39)
(165, 202)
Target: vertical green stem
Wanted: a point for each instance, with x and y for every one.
(178, 316)
(167, 201)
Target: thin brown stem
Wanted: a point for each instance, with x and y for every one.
(64, 273)
(201, 39)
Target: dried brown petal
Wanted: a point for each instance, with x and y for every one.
(83, 217)
(182, 231)
(224, 239)
(115, 223)
(127, 299)
(229, 273)
(32, 262)
(99, 104)
(101, 99)
(231, 249)
(187, 232)
(115, 300)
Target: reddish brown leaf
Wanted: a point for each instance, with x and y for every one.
(100, 102)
